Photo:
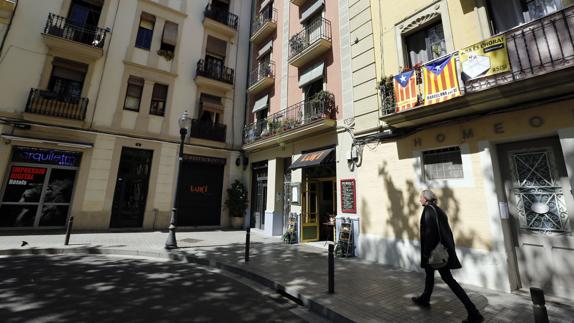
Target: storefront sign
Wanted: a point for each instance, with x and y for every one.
(489, 57)
(205, 160)
(348, 196)
(46, 156)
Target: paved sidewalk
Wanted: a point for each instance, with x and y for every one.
(365, 292)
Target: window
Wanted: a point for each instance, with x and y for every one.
(67, 79)
(211, 109)
(134, 93)
(511, 13)
(426, 44)
(169, 38)
(145, 31)
(443, 163)
(158, 98)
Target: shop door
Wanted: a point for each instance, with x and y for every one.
(201, 189)
(541, 213)
(310, 216)
(259, 203)
(130, 195)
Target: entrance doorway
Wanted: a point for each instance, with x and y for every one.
(130, 195)
(258, 196)
(319, 198)
(541, 209)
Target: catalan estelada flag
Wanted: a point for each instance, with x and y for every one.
(440, 80)
(405, 91)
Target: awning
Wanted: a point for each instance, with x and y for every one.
(211, 103)
(260, 104)
(265, 48)
(312, 159)
(311, 74)
(311, 10)
(264, 4)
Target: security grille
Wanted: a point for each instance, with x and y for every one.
(443, 163)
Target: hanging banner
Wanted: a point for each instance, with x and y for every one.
(440, 80)
(405, 90)
(489, 57)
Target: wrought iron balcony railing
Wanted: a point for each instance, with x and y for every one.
(208, 130)
(53, 104)
(222, 16)
(65, 28)
(262, 71)
(315, 31)
(215, 69)
(321, 107)
(536, 48)
(267, 15)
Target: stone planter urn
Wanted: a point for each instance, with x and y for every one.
(237, 222)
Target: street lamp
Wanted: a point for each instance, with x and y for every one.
(184, 124)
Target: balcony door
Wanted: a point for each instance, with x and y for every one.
(541, 206)
(67, 79)
(85, 12)
(312, 108)
(511, 13)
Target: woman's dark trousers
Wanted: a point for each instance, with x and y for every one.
(454, 286)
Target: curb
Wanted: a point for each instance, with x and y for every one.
(299, 298)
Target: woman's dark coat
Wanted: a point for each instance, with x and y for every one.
(430, 238)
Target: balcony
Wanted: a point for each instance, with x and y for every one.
(261, 77)
(52, 104)
(263, 25)
(310, 43)
(297, 121)
(208, 130)
(60, 32)
(213, 74)
(220, 21)
(541, 54)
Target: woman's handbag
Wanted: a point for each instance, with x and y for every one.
(439, 255)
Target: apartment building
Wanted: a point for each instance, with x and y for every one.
(291, 117)
(472, 99)
(91, 94)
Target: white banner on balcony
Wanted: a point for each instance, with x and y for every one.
(265, 48)
(311, 74)
(260, 104)
(311, 10)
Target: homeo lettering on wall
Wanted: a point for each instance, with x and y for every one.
(46, 156)
(495, 128)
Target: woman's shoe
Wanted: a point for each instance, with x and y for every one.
(420, 302)
(475, 318)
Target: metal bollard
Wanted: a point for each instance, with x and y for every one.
(69, 229)
(247, 238)
(331, 268)
(538, 305)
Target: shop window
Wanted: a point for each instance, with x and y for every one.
(426, 44)
(158, 99)
(443, 163)
(67, 79)
(511, 13)
(134, 93)
(145, 31)
(168, 40)
(38, 189)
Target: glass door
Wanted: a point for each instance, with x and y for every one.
(310, 216)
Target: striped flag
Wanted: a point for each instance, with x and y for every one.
(405, 91)
(440, 80)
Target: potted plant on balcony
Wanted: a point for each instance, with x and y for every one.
(321, 105)
(167, 54)
(236, 203)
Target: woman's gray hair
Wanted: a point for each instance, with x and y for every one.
(429, 196)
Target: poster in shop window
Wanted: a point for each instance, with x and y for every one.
(22, 193)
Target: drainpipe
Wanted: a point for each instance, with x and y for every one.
(9, 27)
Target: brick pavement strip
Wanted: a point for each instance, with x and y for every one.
(365, 292)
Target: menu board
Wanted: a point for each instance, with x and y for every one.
(348, 198)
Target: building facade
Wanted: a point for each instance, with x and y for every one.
(292, 113)
(473, 100)
(92, 91)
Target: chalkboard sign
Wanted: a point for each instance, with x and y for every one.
(348, 199)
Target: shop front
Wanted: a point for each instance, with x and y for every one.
(201, 189)
(37, 191)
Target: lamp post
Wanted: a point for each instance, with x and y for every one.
(184, 124)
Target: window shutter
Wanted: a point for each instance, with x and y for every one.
(170, 33)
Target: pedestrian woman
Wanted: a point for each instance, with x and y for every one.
(434, 228)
